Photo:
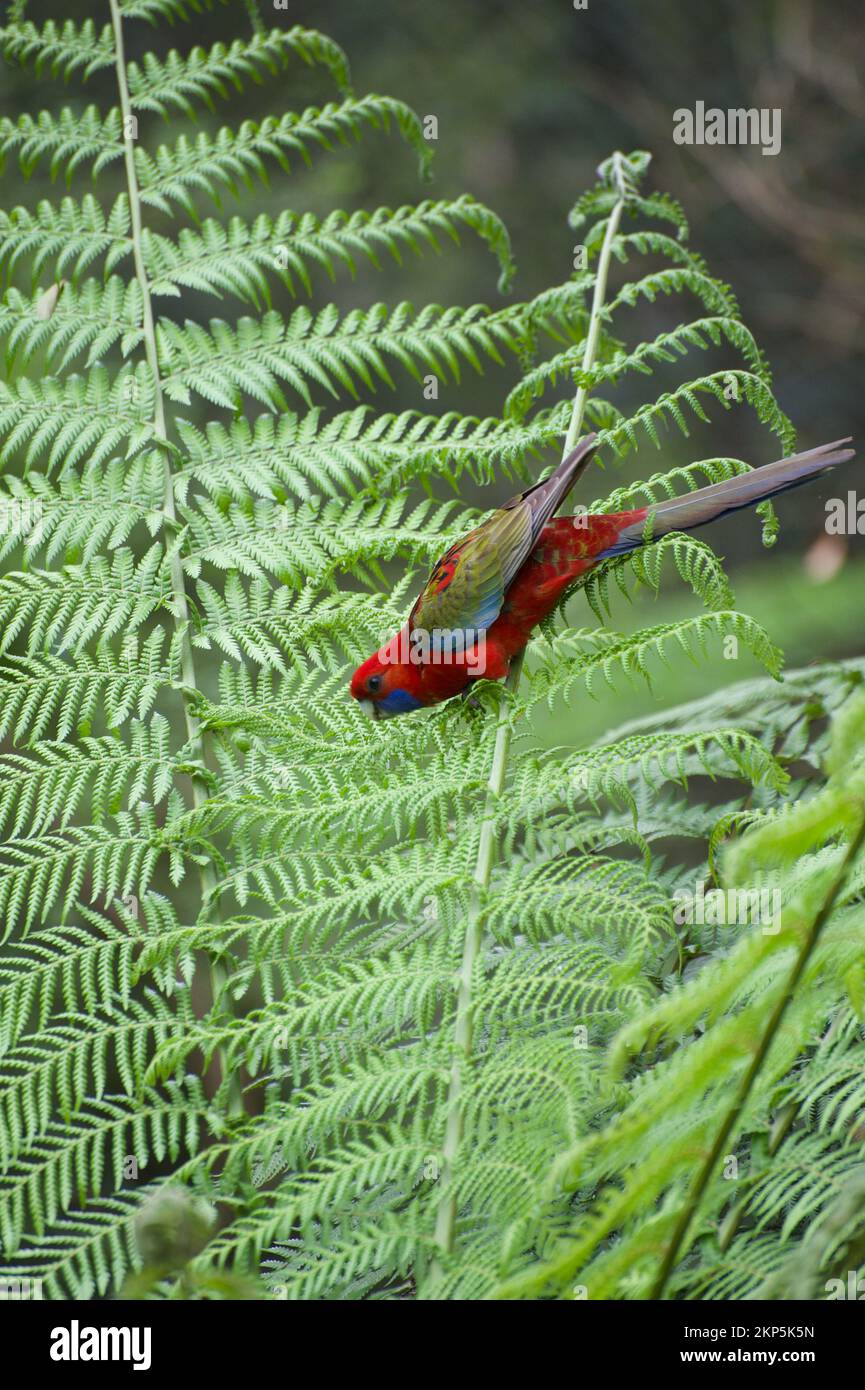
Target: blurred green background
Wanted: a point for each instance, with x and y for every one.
(529, 99)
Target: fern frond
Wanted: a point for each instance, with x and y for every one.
(176, 81)
(207, 163)
(90, 415)
(46, 694)
(238, 259)
(92, 318)
(68, 236)
(324, 350)
(591, 653)
(67, 141)
(62, 49)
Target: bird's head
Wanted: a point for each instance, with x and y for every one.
(384, 686)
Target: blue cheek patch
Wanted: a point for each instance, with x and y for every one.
(398, 702)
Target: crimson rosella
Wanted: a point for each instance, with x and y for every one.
(490, 591)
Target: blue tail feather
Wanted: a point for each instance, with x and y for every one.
(722, 499)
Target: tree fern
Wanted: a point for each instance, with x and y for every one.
(407, 1005)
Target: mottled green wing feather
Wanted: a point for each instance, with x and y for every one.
(468, 584)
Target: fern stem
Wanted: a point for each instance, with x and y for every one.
(692, 1201)
(447, 1209)
(446, 1216)
(196, 737)
(595, 319)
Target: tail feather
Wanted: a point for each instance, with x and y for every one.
(720, 499)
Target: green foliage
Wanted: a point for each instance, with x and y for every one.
(799, 1139)
(234, 911)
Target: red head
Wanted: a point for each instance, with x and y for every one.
(385, 686)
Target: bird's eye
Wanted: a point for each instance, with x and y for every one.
(373, 684)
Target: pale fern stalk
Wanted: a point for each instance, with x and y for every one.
(446, 1215)
(197, 738)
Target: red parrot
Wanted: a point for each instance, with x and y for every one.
(489, 592)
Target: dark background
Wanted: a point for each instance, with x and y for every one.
(529, 99)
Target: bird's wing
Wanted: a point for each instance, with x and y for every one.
(467, 587)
